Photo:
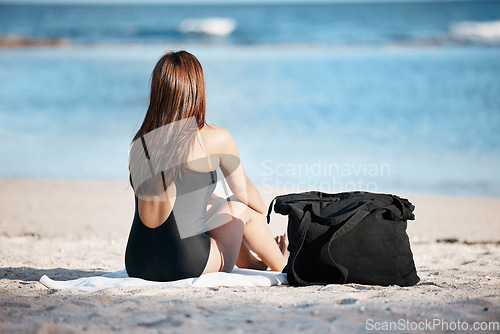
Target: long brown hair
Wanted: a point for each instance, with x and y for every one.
(177, 93)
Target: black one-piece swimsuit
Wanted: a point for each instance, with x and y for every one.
(178, 248)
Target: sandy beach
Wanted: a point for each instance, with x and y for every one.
(72, 229)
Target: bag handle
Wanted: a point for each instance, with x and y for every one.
(335, 220)
(305, 222)
(292, 198)
(304, 225)
(356, 218)
(270, 209)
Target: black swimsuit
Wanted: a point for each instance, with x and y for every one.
(178, 248)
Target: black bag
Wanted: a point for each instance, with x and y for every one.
(352, 237)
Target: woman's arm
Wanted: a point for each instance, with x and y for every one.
(235, 175)
(257, 203)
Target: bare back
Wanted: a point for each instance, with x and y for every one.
(213, 147)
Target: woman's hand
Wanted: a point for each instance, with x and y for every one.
(282, 241)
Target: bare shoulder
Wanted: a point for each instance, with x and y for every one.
(221, 144)
(216, 138)
(215, 132)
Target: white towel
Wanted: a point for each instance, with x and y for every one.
(238, 277)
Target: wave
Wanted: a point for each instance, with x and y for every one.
(476, 32)
(216, 26)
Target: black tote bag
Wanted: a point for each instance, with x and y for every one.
(352, 237)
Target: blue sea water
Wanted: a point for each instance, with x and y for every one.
(336, 97)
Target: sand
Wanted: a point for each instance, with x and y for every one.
(71, 229)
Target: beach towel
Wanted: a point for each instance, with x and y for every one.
(238, 277)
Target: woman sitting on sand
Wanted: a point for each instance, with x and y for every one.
(180, 228)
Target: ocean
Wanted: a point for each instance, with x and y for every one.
(383, 97)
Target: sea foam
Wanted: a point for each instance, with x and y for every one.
(476, 32)
(217, 26)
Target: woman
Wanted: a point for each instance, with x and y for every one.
(172, 168)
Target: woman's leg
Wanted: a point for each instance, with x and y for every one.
(226, 235)
(236, 224)
(247, 260)
(225, 242)
(258, 238)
